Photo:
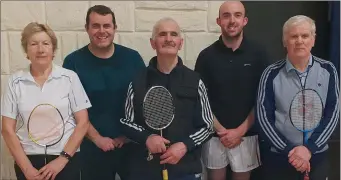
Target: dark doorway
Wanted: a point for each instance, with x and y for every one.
(266, 20)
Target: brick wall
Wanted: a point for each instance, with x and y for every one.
(135, 20)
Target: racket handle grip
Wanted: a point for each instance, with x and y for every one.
(165, 174)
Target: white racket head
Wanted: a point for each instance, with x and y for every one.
(306, 110)
(158, 108)
(45, 125)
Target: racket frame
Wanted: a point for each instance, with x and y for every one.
(32, 139)
(150, 156)
(305, 132)
(145, 97)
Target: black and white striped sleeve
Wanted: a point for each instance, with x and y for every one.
(265, 119)
(203, 121)
(132, 130)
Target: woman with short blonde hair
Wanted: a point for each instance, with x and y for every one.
(41, 83)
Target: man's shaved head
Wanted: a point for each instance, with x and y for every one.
(231, 5)
(232, 19)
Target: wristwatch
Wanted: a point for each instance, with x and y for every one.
(66, 155)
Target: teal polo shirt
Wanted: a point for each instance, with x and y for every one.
(106, 83)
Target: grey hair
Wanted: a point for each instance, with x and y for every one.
(297, 20)
(160, 21)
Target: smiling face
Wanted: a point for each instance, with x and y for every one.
(40, 49)
(101, 30)
(166, 38)
(232, 19)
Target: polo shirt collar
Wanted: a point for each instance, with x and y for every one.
(289, 66)
(56, 72)
(242, 47)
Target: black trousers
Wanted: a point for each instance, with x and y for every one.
(70, 172)
(100, 165)
(277, 167)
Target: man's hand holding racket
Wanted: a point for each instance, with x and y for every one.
(156, 144)
(174, 153)
(158, 111)
(299, 157)
(305, 113)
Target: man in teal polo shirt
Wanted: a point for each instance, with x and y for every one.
(105, 70)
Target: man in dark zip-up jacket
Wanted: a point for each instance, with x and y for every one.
(193, 121)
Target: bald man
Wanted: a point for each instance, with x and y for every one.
(231, 68)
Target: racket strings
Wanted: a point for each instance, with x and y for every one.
(158, 108)
(306, 110)
(45, 125)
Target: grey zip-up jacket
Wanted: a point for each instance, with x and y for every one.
(278, 86)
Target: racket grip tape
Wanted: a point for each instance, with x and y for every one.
(165, 174)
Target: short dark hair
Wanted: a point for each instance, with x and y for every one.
(102, 10)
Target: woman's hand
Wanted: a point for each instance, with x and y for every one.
(32, 173)
(50, 170)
